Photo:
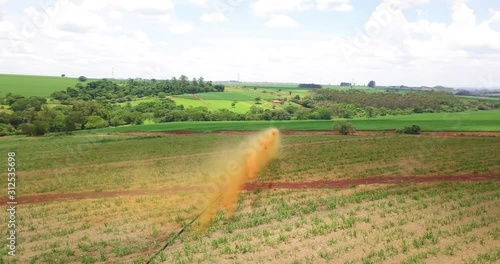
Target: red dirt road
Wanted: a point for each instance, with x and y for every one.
(342, 183)
(368, 181)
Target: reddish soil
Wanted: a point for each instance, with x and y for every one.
(367, 181)
(312, 132)
(40, 198)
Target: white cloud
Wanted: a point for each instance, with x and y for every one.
(281, 21)
(431, 52)
(65, 48)
(93, 36)
(74, 19)
(115, 14)
(200, 2)
(2, 3)
(335, 5)
(343, 8)
(215, 17)
(142, 7)
(180, 27)
(269, 7)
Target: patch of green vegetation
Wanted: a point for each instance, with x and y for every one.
(464, 121)
(487, 98)
(31, 85)
(240, 107)
(231, 96)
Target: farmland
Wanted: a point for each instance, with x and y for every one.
(28, 85)
(118, 194)
(141, 190)
(467, 121)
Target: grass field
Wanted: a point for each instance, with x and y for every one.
(408, 223)
(232, 96)
(486, 98)
(30, 85)
(241, 107)
(465, 121)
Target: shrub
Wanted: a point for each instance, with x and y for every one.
(27, 129)
(6, 129)
(412, 130)
(344, 127)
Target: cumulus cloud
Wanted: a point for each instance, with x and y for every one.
(131, 37)
(270, 7)
(281, 21)
(335, 5)
(215, 17)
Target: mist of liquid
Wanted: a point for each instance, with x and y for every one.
(233, 168)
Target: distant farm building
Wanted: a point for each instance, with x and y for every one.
(345, 84)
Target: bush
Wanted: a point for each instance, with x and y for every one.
(412, 130)
(344, 127)
(6, 129)
(82, 79)
(96, 122)
(27, 129)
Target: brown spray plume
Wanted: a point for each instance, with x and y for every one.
(228, 175)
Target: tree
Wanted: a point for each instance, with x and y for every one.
(27, 129)
(82, 79)
(41, 127)
(38, 128)
(291, 109)
(325, 114)
(61, 95)
(233, 104)
(257, 100)
(63, 75)
(6, 129)
(95, 122)
(371, 84)
(370, 111)
(219, 88)
(26, 103)
(74, 120)
(280, 114)
(344, 127)
(116, 121)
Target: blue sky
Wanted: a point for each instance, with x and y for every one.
(410, 42)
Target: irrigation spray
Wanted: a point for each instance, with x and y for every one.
(227, 173)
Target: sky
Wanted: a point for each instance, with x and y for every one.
(454, 43)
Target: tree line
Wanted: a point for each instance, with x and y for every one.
(350, 103)
(106, 91)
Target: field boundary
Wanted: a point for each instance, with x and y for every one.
(305, 132)
(340, 183)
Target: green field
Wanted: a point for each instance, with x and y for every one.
(487, 98)
(30, 85)
(141, 189)
(466, 121)
(234, 95)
